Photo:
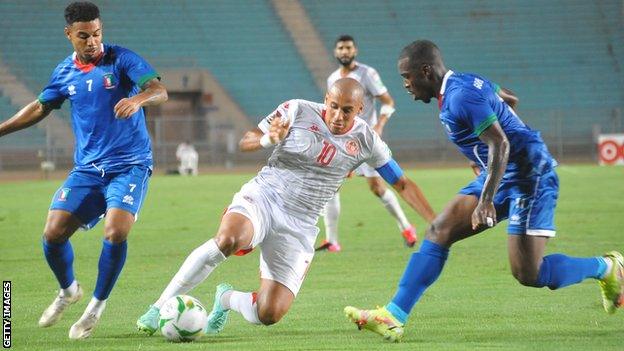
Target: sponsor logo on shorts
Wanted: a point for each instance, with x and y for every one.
(63, 194)
(128, 199)
(514, 219)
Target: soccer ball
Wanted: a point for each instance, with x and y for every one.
(182, 318)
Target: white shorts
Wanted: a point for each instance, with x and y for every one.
(367, 171)
(286, 242)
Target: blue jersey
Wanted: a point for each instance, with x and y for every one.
(103, 141)
(469, 104)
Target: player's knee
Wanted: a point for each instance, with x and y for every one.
(270, 314)
(438, 235)
(228, 244)
(56, 232)
(524, 277)
(377, 188)
(115, 234)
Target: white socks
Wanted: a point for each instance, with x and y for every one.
(243, 303)
(95, 307)
(332, 213)
(391, 203)
(71, 290)
(197, 266)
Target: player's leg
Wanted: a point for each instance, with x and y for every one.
(60, 226)
(391, 203)
(124, 192)
(423, 269)
(77, 203)
(266, 306)
(287, 252)
(331, 215)
(532, 225)
(235, 233)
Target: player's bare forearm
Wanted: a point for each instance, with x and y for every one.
(251, 141)
(381, 123)
(153, 93)
(387, 109)
(24, 118)
(498, 154)
(411, 193)
(509, 97)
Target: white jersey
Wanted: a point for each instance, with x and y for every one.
(368, 77)
(308, 167)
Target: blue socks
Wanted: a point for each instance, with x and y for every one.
(112, 260)
(423, 268)
(558, 271)
(60, 258)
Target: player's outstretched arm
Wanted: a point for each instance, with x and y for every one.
(255, 139)
(498, 154)
(392, 173)
(26, 117)
(509, 97)
(153, 93)
(411, 193)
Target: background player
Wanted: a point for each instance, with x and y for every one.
(107, 86)
(345, 51)
(519, 183)
(316, 145)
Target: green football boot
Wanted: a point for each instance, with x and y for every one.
(380, 321)
(219, 315)
(148, 323)
(612, 284)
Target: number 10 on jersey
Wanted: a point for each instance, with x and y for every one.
(327, 153)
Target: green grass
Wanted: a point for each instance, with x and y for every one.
(476, 304)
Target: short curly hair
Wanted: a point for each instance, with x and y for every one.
(81, 11)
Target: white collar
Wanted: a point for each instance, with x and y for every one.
(446, 77)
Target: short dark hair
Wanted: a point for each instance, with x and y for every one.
(421, 51)
(344, 37)
(81, 11)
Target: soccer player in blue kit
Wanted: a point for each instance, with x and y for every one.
(517, 181)
(107, 86)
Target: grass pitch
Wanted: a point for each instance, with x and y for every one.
(476, 304)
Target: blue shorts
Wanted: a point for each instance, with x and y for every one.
(88, 193)
(529, 203)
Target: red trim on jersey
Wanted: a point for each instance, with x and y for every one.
(87, 67)
(440, 96)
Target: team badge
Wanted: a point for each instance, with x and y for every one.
(352, 146)
(63, 194)
(109, 81)
(314, 128)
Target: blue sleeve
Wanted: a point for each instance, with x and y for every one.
(52, 95)
(473, 106)
(390, 172)
(136, 68)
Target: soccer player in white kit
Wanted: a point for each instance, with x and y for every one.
(345, 51)
(315, 147)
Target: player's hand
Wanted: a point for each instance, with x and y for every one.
(126, 107)
(279, 129)
(484, 215)
(475, 168)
